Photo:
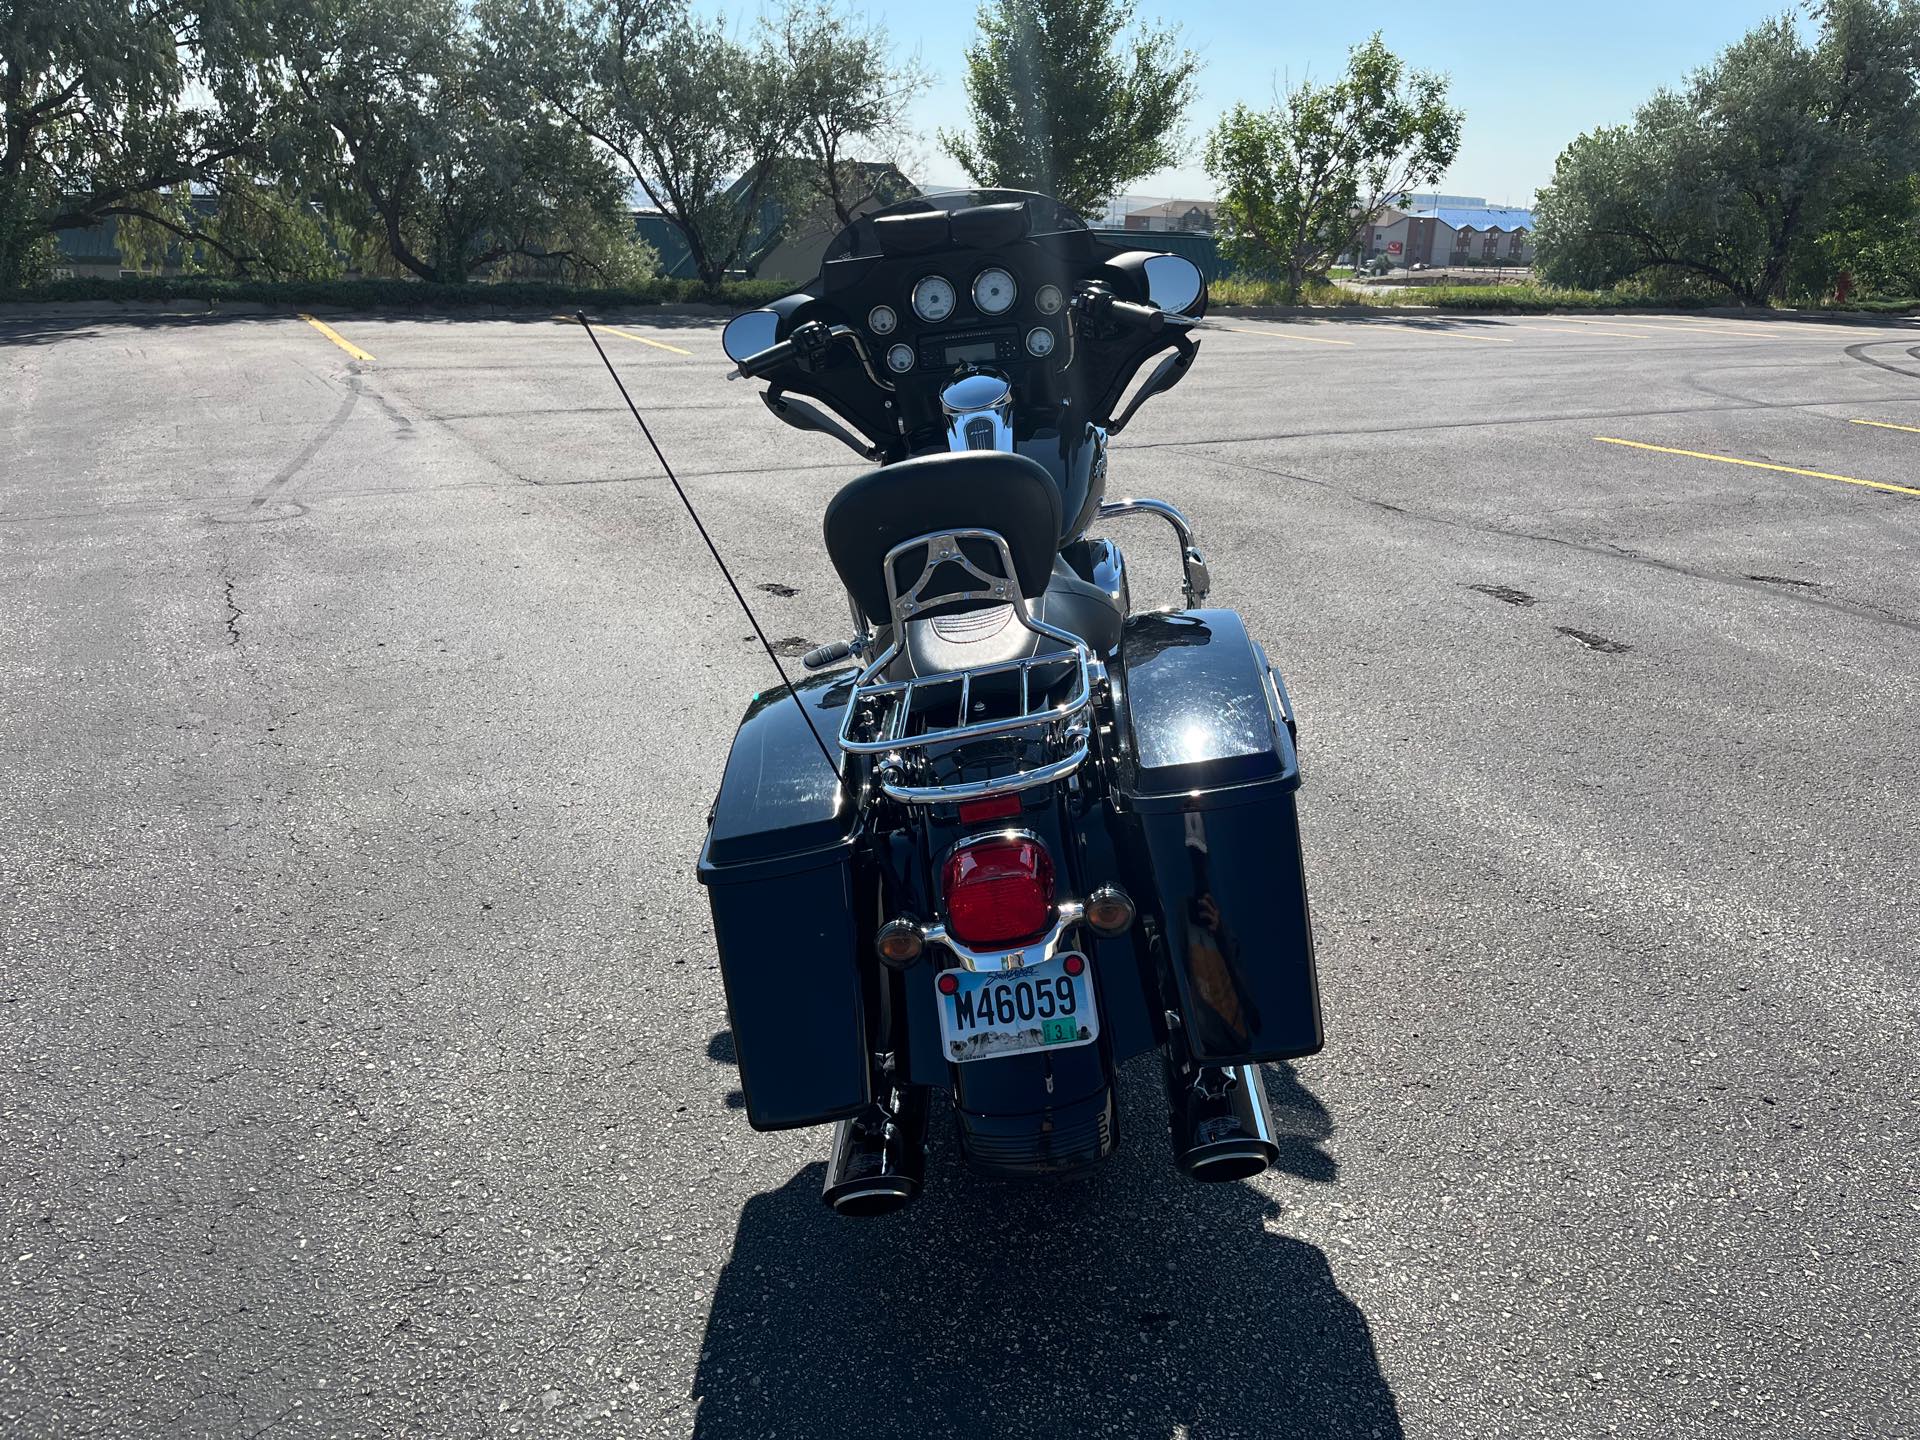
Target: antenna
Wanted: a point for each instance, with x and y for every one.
(712, 549)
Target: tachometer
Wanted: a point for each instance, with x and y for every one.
(933, 299)
(993, 291)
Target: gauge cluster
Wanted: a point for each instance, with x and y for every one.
(956, 310)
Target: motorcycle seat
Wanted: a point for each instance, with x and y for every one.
(966, 489)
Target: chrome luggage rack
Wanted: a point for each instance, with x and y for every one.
(1045, 698)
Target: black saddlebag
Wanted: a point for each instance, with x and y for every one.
(1205, 800)
(778, 867)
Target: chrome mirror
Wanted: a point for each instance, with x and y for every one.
(1173, 282)
(747, 335)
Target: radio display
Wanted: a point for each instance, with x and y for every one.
(965, 354)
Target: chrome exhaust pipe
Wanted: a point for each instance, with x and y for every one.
(879, 1158)
(1222, 1129)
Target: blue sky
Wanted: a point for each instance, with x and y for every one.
(1530, 76)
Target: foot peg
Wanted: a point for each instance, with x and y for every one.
(826, 654)
(879, 1157)
(1222, 1129)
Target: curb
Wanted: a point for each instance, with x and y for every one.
(1901, 318)
(12, 310)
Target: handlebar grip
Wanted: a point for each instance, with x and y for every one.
(756, 365)
(826, 654)
(1141, 317)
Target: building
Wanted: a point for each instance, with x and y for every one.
(92, 252)
(1190, 217)
(779, 246)
(1451, 235)
(1434, 200)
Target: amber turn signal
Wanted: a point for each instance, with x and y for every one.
(899, 943)
(1109, 911)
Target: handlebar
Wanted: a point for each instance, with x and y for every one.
(1149, 318)
(755, 366)
(809, 344)
(1103, 307)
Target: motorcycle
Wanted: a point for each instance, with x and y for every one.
(1012, 832)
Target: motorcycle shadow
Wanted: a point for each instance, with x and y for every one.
(1133, 1302)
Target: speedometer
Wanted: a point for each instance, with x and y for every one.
(933, 299)
(993, 291)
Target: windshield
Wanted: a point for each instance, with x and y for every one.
(1045, 215)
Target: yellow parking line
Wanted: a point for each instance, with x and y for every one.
(1760, 465)
(1280, 335)
(1888, 425)
(337, 338)
(1450, 334)
(1588, 330)
(628, 335)
(1716, 327)
(1610, 320)
(1679, 326)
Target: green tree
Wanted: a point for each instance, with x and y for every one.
(850, 91)
(1300, 181)
(1735, 178)
(1069, 98)
(238, 224)
(107, 105)
(684, 107)
(420, 137)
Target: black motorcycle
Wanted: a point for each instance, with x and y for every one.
(1028, 832)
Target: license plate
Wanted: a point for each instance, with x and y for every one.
(1009, 1012)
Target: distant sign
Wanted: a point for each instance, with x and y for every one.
(1393, 247)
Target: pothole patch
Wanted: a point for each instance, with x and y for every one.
(1594, 642)
(1506, 594)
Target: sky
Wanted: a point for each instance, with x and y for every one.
(1529, 76)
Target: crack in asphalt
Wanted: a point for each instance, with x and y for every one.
(234, 612)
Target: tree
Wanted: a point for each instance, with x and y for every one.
(419, 136)
(850, 90)
(1300, 181)
(683, 106)
(1067, 98)
(95, 121)
(1735, 178)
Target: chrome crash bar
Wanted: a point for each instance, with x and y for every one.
(1196, 580)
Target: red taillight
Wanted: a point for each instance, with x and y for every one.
(998, 891)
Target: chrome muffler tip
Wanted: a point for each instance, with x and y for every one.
(1222, 1129)
(879, 1158)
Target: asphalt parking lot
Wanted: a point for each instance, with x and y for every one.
(362, 1050)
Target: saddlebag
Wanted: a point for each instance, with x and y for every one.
(1205, 800)
(778, 867)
